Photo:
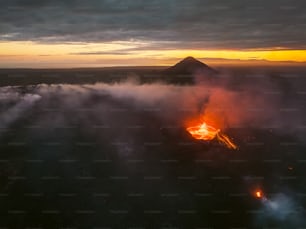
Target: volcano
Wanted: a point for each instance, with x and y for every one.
(189, 66)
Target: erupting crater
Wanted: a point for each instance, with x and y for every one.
(206, 132)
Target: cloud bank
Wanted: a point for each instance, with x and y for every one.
(165, 24)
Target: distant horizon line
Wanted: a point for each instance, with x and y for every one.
(214, 62)
(147, 66)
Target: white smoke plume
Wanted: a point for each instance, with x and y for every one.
(24, 103)
(281, 211)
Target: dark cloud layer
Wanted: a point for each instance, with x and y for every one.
(185, 24)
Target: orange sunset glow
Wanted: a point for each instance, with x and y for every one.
(36, 55)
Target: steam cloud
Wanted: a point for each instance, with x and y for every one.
(22, 103)
(281, 210)
(243, 106)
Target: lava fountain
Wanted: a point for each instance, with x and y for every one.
(205, 132)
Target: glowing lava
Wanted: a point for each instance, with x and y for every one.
(206, 132)
(203, 132)
(258, 194)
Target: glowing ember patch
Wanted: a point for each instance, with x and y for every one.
(258, 194)
(207, 133)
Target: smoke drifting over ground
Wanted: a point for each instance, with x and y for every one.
(250, 105)
(123, 149)
(281, 209)
(22, 104)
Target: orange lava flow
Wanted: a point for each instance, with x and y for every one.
(206, 132)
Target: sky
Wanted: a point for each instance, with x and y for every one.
(93, 33)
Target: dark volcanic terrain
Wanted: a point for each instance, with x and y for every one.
(74, 154)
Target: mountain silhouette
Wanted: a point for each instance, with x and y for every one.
(190, 65)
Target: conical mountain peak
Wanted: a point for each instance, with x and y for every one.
(190, 65)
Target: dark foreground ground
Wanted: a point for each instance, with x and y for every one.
(80, 157)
